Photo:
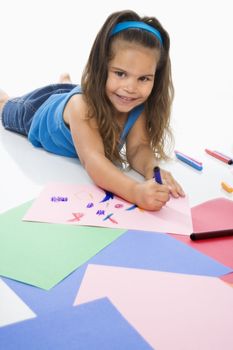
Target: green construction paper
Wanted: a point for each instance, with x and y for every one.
(44, 254)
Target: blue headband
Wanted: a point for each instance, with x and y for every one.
(140, 25)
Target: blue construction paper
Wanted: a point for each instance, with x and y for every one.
(43, 301)
(94, 325)
(136, 249)
(162, 252)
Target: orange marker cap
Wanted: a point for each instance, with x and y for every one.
(227, 187)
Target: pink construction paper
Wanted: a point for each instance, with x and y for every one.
(171, 311)
(90, 205)
(215, 214)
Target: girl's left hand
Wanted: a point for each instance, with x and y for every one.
(175, 188)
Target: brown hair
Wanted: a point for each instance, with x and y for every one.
(158, 104)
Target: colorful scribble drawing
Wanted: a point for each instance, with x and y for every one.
(59, 199)
(108, 196)
(77, 217)
(109, 217)
(132, 207)
(107, 204)
(118, 205)
(100, 212)
(82, 195)
(85, 196)
(90, 205)
(113, 221)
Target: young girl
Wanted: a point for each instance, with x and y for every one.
(124, 99)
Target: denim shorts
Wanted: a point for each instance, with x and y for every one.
(17, 113)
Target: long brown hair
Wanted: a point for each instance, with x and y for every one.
(158, 105)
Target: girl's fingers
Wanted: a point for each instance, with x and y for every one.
(175, 188)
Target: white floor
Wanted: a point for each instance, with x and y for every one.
(42, 39)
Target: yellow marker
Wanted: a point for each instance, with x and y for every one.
(227, 187)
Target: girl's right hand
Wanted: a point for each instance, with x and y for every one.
(149, 195)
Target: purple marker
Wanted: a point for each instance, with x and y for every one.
(157, 175)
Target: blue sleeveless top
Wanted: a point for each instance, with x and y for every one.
(48, 129)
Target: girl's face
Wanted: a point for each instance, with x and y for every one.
(131, 74)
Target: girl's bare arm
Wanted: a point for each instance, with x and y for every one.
(104, 173)
(142, 159)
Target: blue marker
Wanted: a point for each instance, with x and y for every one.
(157, 175)
(196, 165)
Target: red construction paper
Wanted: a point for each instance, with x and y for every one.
(228, 278)
(215, 214)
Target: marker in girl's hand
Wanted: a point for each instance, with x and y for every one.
(175, 190)
(157, 175)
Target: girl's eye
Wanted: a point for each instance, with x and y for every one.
(120, 74)
(144, 79)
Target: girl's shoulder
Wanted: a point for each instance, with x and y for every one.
(76, 110)
(77, 103)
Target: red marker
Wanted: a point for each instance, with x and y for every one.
(220, 156)
(230, 161)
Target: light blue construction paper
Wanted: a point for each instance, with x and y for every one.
(94, 325)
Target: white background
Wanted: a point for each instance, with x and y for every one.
(41, 39)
